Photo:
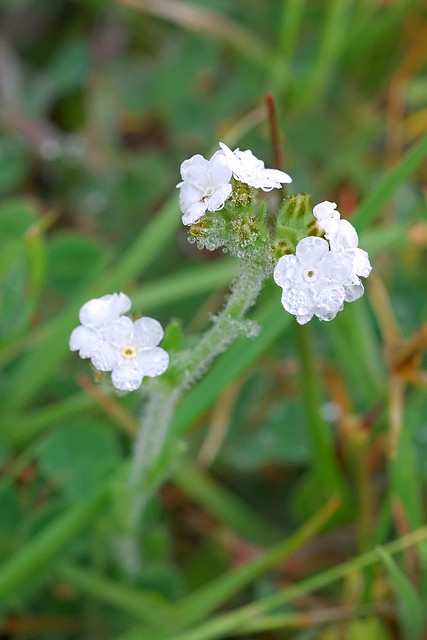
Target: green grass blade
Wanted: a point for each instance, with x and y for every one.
(371, 206)
(412, 611)
(337, 15)
(197, 279)
(40, 552)
(202, 602)
(143, 605)
(21, 429)
(222, 625)
(223, 505)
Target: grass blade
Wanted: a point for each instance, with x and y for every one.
(412, 611)
(371, 206)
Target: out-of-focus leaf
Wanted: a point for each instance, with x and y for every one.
(74, 261)
(70, 65)
(13, 163)
(78, 455)
(281, 438)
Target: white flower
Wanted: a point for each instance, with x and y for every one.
(313, 280)
(343, 237)
(345, 240)
(327, 217)
(130, 352)
(114, 343)
(248, 169)
(94, 315)
(205, 186)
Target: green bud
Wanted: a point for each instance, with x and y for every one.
(295, 221)
(173, 340)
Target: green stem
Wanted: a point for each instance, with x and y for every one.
(324, 462)
(189, 367)
(226, 326)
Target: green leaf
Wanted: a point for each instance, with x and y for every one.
(73, 261)
(78, 455)
(13, 163)
(173, 338)
(70, 65)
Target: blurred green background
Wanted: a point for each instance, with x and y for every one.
(100, 102)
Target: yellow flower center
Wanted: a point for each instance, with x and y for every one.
(128, 352)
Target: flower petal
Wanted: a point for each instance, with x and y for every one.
(220, 171)
(285, 270)
(361, 265)
(147, 332)
(311, 250)
(325, 209)
(195, 170)
(118, 303)
(105, 357)
(94, 313)
(127, 376)
(84, 340)
(153, 362)
(354, 292)
(345, 238)
(98, 311)
(219, 196)
(119, 332)
(194, 213)
(337, 266)
(277, 176)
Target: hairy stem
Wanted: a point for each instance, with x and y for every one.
(150, 464)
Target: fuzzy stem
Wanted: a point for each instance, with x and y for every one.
(227, 325)
(147, 468)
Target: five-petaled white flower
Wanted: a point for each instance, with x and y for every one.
(114, 343)
(205, 186)
(249, 169)
(313, 280)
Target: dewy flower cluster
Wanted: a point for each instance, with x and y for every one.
(319, 263)
(206, 184)
(114, 343)
(323, 274)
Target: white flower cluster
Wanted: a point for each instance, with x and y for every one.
(206, 184)
(114, 343)
(323, 273)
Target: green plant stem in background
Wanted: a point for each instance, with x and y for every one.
(142, 605)
(291, 21)
(332, 41)
(325, 466)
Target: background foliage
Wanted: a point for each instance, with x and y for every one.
(100, 103)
